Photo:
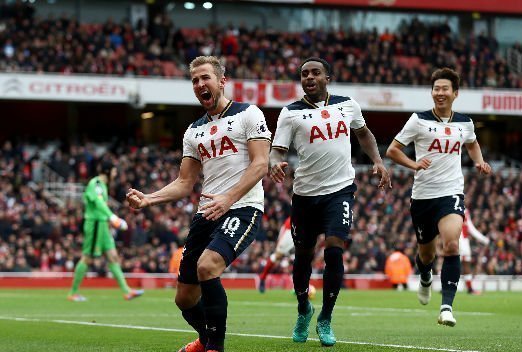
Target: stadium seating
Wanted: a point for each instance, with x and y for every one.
(38, 235)
(62, 45)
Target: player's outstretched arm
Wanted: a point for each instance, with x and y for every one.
(177, 189)
(479, 236)
(369, 146)
(396, 154)
(476, 155)
(258, 167)
(278, 164)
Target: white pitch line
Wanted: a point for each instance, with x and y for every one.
(377, 309)
(137, 327)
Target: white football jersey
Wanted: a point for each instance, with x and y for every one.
(320, 132)
(220, 144)
(442, 143)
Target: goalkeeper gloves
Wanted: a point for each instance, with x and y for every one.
(118, 223)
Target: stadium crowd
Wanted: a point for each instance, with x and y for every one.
(37, 234)
(407, 56)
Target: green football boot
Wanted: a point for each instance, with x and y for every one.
(301, 329)
(325, 332)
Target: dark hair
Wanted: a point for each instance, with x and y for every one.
(325, 64)
(446, 73)
(105, 166)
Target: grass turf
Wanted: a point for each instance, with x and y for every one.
(43, 320)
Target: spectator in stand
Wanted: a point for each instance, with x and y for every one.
(153, 166)
(405, 56)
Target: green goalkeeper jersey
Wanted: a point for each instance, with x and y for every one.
(95, 198)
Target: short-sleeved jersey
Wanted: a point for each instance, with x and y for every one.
(95, 198)
(220, 144)
(441, 142)
(321, 136)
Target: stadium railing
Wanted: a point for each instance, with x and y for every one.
(236, 280)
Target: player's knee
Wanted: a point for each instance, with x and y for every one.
(207, 270)
(184, 301)
(426, 257)
(333, 257)
(86, 260)
(450, 248)
(113, 258)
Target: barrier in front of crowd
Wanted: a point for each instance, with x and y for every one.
(240, 281)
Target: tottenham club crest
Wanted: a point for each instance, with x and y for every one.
(261, 127)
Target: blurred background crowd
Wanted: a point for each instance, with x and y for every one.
(39, 234)
(405, 56)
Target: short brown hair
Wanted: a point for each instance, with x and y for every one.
(446, 73)
(219, 69)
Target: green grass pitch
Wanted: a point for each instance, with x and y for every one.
(43, 320)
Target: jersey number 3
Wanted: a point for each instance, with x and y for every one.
(346, 214)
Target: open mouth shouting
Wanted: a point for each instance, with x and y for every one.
(206, 97)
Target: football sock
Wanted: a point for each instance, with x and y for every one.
(214, 299)
(115, 269)
(449, 278)
(424, 269)
(269, 265)
(467, 279)
(301, 276)
(195, 316)
(79, 273)
(332, 279)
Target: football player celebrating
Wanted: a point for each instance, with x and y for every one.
(437, 206)
(319, 126)
(230, 146)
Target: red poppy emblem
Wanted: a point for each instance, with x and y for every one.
(213, 130)
(448, 131)
(325, 114)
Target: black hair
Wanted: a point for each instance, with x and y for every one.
(105, 166)
(325, 64)
(446, 73)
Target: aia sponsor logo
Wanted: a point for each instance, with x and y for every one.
(327, 132)
(445, 147)
(216, 148)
